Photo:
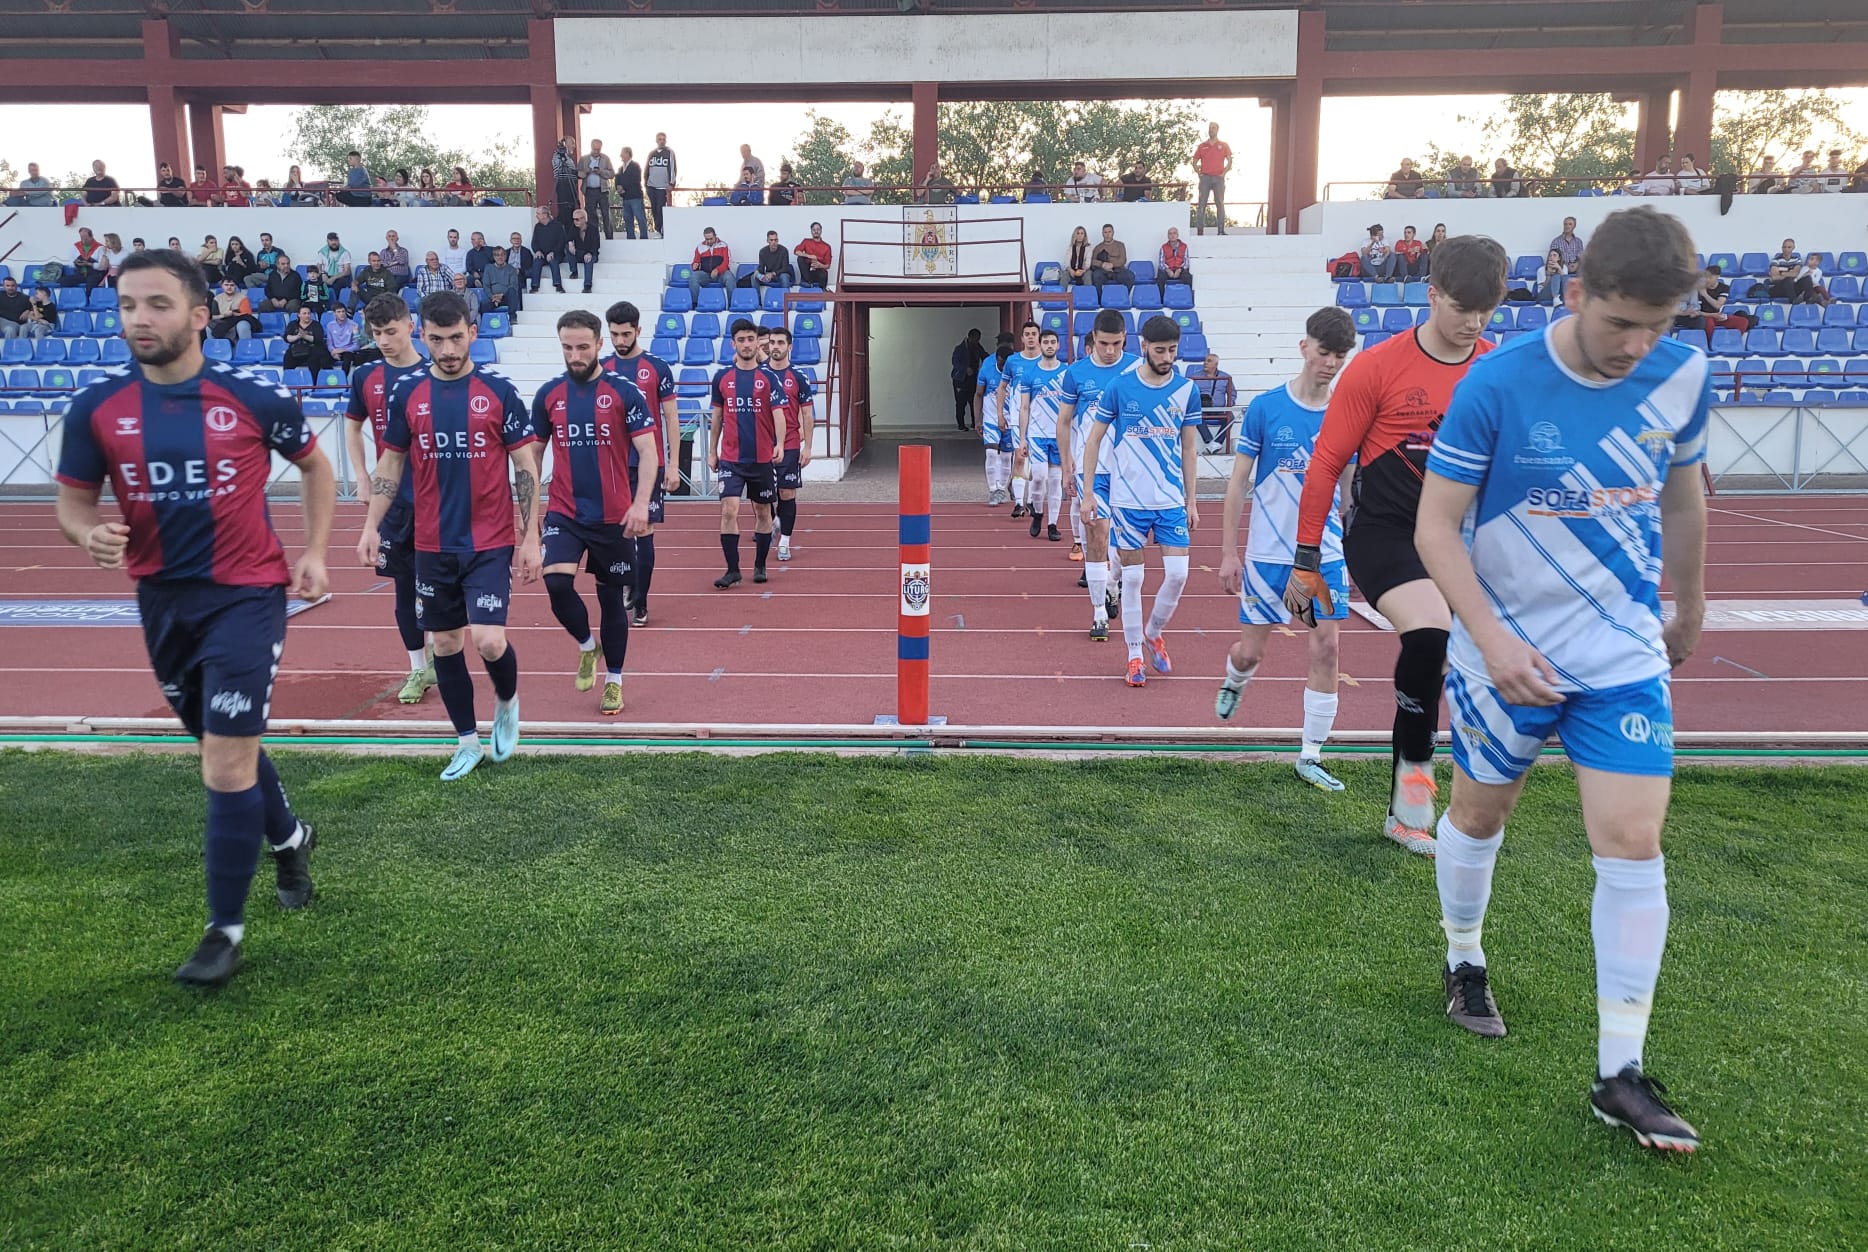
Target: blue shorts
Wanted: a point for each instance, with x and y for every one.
(215, 652)
(1130, 530)
(1261, 597)
(790, 472)
(454, 589)
(1044, 452)
(1102, 495)
(1619, 730)
(612, 553)
(756, 480)
(395, 553)
(656, 511)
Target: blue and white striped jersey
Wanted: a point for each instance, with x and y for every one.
(1083, 384)
(1143, 446)
(1282, 435)
(1045, 387)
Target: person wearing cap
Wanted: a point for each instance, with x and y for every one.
(334, 259)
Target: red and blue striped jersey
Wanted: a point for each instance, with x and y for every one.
(798, 393)
(188, 463)
(591, 427)
(746, 399)
(457, 433)
(656, 382)
(370, 386)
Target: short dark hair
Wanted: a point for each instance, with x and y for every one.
(444, 308)
(1109, 322)
(623, 313)
(780, 332)
(353, 153)
(184, 267)
(1049, 330)
(581, 319)
(1160, 329)
(384, 309)
(1643, 254)
(1028, 325)
(1331, 329)
(739, 325)
(1005, 337)
(1470, 271)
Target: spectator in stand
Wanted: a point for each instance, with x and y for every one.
(1084, 185)
(269, 254)
(88, 259)
(175, 244)
(42, 314)
(1171, 262)
(548, 241)
(479, 256)
(1789, 275)
(1805, 178)
(239, 263)
(114, 252)
(1812, 271)
(171, 191)
(304, 344)
(34, 191)
(1410, 255)
(519, 257)
(1036, 185)
(401, 191)
(747, 190)
(1767, 179)
(747, 161)
(458, 193)
(814, 259)
(1713, 292)
(100, 188)
(936, 188)
(209, 258)
(857, 187)
(375, 279)
(433, 276)
(584, 245)
(296, 193)
(232, 313)
(1213, 161)
(427, 192)
(774, 264)
(1505, 184)
(1689, 179)
(564, 180)
(340, 338)
(454, 256)
(472, 294)
(1405, 183)
(1077, 258)
(787, 190)
(1109, 261)
(1859, 183)
(1217, 398)
(335, 258)
(1463, 182)
(236, 191)
(1834, 178)
(1659, 181)
(1378, 259)
(1568, 244)
(281, 293)
(204, 191)
(597, 174)
(629, 195)
(1553, 278)
(503, 285)
(357, 182)
(1136, 184)
(314, 292)
(396, 257)
(713, 264)
(13, 305)
(658, 179)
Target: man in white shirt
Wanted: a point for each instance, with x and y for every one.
(335, 258)
(1659, 181)
(1689, 179)
(1805, 178)
(1834, 178)
(454, 257)
(1083, 186)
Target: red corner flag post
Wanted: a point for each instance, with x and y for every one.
(915, 537)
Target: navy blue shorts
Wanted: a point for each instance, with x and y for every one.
(611, 552)
(756, 480)
(395, 554)
(454, 589)
(656, 512)
(215, 652)
(790, 472)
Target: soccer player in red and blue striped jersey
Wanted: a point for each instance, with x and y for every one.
(457, 426)
(745, 445)
(800, 426)
(370, 387)
(656, 382)
(604, 462)
(186, 445)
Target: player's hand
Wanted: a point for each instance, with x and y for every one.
(106, 543)
(369, 548)
(310, 579)
(1086, 509)
(636, 521)
(1681, 633)
(713, 461)
(1232, 574)
(804, 456)
(1520, 673)
(1193, 517)
(1305, 588)
(1018, 465)
(531, 559)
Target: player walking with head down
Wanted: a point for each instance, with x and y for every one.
(1386, 407)
(656, 381)
(458, 425)
(1562, 485)
(594, 419)
(186, 445)
(1103, 362)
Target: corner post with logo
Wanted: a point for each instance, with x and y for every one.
(915, 536)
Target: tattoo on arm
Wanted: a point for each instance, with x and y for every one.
(527, 486)
(383, 486)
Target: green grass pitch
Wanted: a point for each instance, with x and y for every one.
(797, 1001)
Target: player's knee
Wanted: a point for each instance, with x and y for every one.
(490, 642)
(229, 763)
(449, 642)
(1246, 656)
(1422, 662)
(1325, 646)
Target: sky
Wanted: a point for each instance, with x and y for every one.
(706, 137)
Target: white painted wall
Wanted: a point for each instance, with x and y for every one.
(910, 363)
(1022, 47)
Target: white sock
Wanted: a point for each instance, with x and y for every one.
(292, 840)
(1076, 525)
(1319, 717)
(1462, 866)
(471, 739)
(418, 659)
(1115, 569)
(1132, 576)
(992, 465)
(613, 675)
(1236, 678)
(1629, 924)
(1018, 490)
(1167, 599)
(235, 932)
(589, 644)
(1097, 575)
(1053, 493)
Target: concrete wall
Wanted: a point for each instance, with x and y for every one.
(910, 359)
(1025, 47)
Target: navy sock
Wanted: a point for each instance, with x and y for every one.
(456, 691)
(762, 544)
(613, 600)
(645, 568)
(505, 674)
(236, 822)
(729, 544)
(787, 515)
(408, 625)
(280, 823)
(567, 606)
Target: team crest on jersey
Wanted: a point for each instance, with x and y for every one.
(1545, 437)
(1658, 444)
(221, 419)
(605, 400)
(1415, 397)
(480, 406)
(1284, 435)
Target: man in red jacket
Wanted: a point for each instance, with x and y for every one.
(713, 263)
(813, 259)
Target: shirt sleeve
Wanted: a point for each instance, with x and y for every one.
(1251, 435)
(1346, 424)
(80, 460)
(396, 424)
(664, 382)
(636, 418)
(1107, 405)
(1468, 435)
(719, 397)
(1689, 446)
(1067, 390)
(516, 431)
(541, 414)
(805, 392)
(287, 432)
(1190, 416)
(357, 410)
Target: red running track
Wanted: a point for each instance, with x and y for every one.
(817, 645)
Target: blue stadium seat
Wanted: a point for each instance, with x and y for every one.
(671, 326)
(1861, 339)
(272, 323)
(1084, 322)
(807, 324)
(6, 272)
(1003, 200)
(1367, 320)
(1133, 345)
(1728, 342)
(1380, 336)
(48, 351)
(1352, 295)
(1721, 370)
(1144, 271)
(1052, 300)
(677, 300)
(1855, 263)
(267, 373)
(1788, 373)
(769, 321)
(807, 351)
(1421, 316)
(1826, 368)
(70, 298)
(102, 298)
(73, 323)
(1845, 287)
(484, 352)
(1856, 371)
(275, 351)
(725, 354)
(667, 349)
(678, 275)
(1810, 315)
(1056, 323)
(1188, 321)
(698, 351)
(712, 300)
(1394, 321)
(116, 352)
(22, 379)
(1764, 341)
(1526, 266)
(966, 198)
(1114, 296)
(1780, 395)
(1385, 295)
(772, 299)
(107, 322)
(693, 383)
(1533, 317)
(744, 300)
(1799, 341)
(1414, 294)
(250, 352)
(58, 379)
(1046, 271)
(1838, 315)
(1754, 264)
(1504, 317)
(1727, 263)
(1773, 315)
(298, 379)
(1145, 296)
(15, 351)
(1819, 395)
(1037, 197)
(706, 326)
(1750, 370)
(495, 325)
(743, 272)
(1852, 397)
(1835, 340)
(1177, 296)
(1193, 347)
(82, 352)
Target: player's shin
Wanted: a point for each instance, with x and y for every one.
(1319, 720)
(1167, 599)
(644, 566)
(1628, 921)
(1053, 493)
(1463, 872)
(456, 686)
(504, 671)
(283, 830)
(568, 607)
(613, 602)
(1132, 576)
(1420, 674)
(787, 511)
(236, 823)
(1096, 573)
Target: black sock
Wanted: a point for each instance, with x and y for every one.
(645, 569)
(280, 823)
(613, 629)
(1419, 673)
(456, 686)
(236, 822)
(729, 544)
(761, 544)
(408, 625)
(787, 515)
(504, 671)
(567, 606)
